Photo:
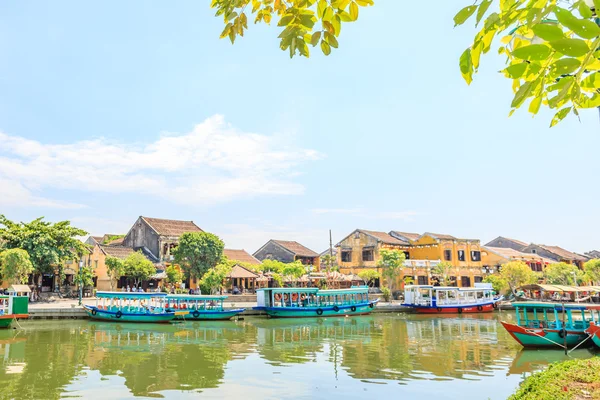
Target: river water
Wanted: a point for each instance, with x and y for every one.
(383, 355)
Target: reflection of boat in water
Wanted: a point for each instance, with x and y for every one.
(531, 360)
(130, 307)
(445, 328)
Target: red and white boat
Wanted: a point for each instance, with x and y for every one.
(429, 299)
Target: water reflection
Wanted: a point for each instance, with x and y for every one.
(56, 359)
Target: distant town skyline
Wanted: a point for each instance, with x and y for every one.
(158, 117)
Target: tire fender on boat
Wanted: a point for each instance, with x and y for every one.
(336, 308)
(562, 333)
(460, 310)
(371, 305)
(196, 314)
(353, 308)
(479, 308)
(94, 312)
(119, 314)
(439, 309)
(319, 311)
(495, 305)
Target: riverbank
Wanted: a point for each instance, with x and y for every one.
(574, 379)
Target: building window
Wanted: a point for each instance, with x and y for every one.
(95, 264)
(533, 251)
(367, 255)
(406, 255)
(356, 235)
(452, 281)
(461, 255)
(465, 281)
(346, 256)
(448, 255)
(476, 256)
(422, 280)
(478, 279)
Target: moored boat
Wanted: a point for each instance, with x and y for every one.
(594, 329)
(312, 302)
(540, 325)
(131, 307)
(200, 307)
(429, 299)
(11, 308)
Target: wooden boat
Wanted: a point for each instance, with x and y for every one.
(540, 325)
(200, 307)
(11, 308)
(131, 307)
(312, 302)
(594, 329)
(429, 299)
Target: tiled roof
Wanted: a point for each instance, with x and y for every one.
(116, 242)
(517, 242)
(507, 252)
(440, 236)
(409, 236)
(117, 251)
(240, 272)
(565, 254)
(240, 255)
(385, 237)
(97, 239)
(296, 248)
(171, 227)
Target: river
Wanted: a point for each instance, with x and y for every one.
(383, 355)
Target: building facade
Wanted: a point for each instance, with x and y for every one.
(558, 254)
(288, 251)
(504, 242)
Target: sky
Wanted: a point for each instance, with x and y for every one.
(111, 110)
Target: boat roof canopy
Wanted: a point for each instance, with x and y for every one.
(539, 304)
(129, 295)
(290, 290)
(561, 288)
(342, 291)
(478, 289)
(192, 297)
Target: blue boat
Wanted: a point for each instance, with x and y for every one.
(312, 302)
(199, 308)
(131, 307)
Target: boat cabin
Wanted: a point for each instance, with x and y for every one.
(131, 302)
(550, 315)
(5, 306)
(195, 302)
(311, 297)
(437, 296)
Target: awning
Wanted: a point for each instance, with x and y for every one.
(19, 289)
(556, 288)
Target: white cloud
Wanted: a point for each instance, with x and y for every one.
(366, 213)
(212, 163)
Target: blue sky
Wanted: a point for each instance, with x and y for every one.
(113, 110)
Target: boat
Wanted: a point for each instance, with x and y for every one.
(11, 308)
(427, 299)
(313, 302)
(540, 324)
(594, 329)
(131, 307)
(200, 307)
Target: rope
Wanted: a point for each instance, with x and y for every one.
(582, 342)
(17, 321)
(545, 338)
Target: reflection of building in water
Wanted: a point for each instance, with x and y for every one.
(12, 354)
(442, 347)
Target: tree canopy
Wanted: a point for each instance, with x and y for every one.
(302, 22)
(138, 267)
(15, 265)
(391, 263)
(563, 274)
(517, 273)
(212, 281)
(115, 268)
(442, 272)
(197, 252)
(48, 244)
(498, 282)
(551, 51)
(174, 274)
(592, 270)
(369, 276)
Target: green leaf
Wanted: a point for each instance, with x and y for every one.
(463, 15)
(483, 7)
(570, 47)
(585, 10)
(516, 71)
(331, 40)
(565, 66)
(548, 32)
(285, 20)
(532, 52)
(559, 116)
(534, 106)
(353, 11)
(581, 27)
(597, 5)
(522, 94)
(325, 48)
(592, 81)
(466, 66)
(321, 7)
(314, 40)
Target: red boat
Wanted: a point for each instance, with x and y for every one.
(428, 299)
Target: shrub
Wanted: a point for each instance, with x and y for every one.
(386, 293)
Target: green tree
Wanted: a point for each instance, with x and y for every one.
(115, 268)
(563, 274)
(498, 283)
(592, 270)
(442, 272)
(15, 265)
(550, 49)
(293, 271)
(197, 252)
(329, 262)
(369, 276)
(48, 244)
(517, 273)
(138, 267)
(304, 22)
(391, 263)
(174, 274)
(84, 278)
(213, 280)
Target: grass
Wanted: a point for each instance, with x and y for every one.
(574, 379)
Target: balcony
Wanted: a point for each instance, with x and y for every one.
(421, 263)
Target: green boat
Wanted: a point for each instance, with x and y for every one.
(540, 325)
(200, 307)
(131, 307)
(11, 308)
(312, 302)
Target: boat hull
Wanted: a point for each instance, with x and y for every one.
(105, 315)
(317, 312)
(456, 310)
(6, 320)
(543, 337)
(594, 332)
(210, 315)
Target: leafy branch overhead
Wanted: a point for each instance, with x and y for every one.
(303, 22)
(552, 51)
